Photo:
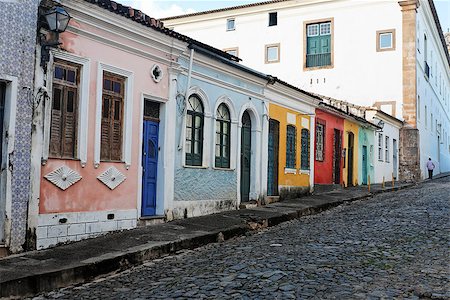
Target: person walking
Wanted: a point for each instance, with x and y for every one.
(430, 167)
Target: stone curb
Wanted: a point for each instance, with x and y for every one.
(122, 260)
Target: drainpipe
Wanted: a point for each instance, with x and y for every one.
(186, 94)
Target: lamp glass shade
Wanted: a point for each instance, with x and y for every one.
(57, 19)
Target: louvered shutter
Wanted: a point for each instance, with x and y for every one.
(56, 122)
(69, 129)
(116, 130)
(105, 152)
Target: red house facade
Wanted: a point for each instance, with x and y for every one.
(328, 156)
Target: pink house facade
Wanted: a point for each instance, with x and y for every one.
(98, 93)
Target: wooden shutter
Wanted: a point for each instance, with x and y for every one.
(64, 112)
(112, 117)
(116, 130)
(105, 128)
(69, 128)
(56, 122)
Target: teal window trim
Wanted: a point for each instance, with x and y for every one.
(291, 133)
(223, 132)
(305, 151)
(194, 132)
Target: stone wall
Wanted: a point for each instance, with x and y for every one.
(409, 166)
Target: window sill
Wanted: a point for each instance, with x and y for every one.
(304, 172)
(224, 169)
(290, 171)
(318, 68)
(194, 167)
(64, 158)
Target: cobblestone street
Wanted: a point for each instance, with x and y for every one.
(395, 245)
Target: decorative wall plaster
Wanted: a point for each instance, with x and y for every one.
(63, 177)
(157, 73)
(112, 178)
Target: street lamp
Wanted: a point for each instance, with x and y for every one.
(57, 20)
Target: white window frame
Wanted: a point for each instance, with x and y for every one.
(380, 146)
(386, 148)
(392, 38)
(229, 20)
(278, 50)
(321, 25)
(128, 114)
(233, 132)
(312, 25)
(83, 103)
(207, 137)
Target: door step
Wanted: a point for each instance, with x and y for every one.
(147, 221)
(248, 204)
(271, 199)
(326, 188)
(3, 251)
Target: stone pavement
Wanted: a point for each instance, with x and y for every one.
(34, 272)
(392, 246)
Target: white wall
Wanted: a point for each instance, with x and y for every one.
(434, 94)
(384, 167)
(360, 74)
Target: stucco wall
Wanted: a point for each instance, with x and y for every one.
(324, 169)
(217, 187)
(356, 61)
(353, 128)
(432, 93)
(366, 138)
(18, 21)
(287, 179)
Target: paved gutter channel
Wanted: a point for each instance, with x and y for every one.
(34, 272)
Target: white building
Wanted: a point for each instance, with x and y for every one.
(386, 145)
(345, 50)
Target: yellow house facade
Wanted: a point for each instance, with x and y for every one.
(351, 146)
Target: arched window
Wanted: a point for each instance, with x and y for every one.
(304, 159)
(223, 127)
(194, 131)
(291, 146)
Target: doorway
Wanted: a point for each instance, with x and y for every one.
(2, 162)
(394, 159)
(351, 142)
(364, 165)
(246, 152)
(272, 167)
(150, 150)
(337, 141)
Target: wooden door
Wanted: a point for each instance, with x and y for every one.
(350, 159)
(273, 149)
(337, 156)
(246, 147)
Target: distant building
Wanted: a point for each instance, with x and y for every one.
(345, 50)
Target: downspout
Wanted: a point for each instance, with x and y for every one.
(186, 94)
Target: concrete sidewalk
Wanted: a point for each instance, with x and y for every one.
(38, 271)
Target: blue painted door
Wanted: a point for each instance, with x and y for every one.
(364, 165)
(149, 168)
